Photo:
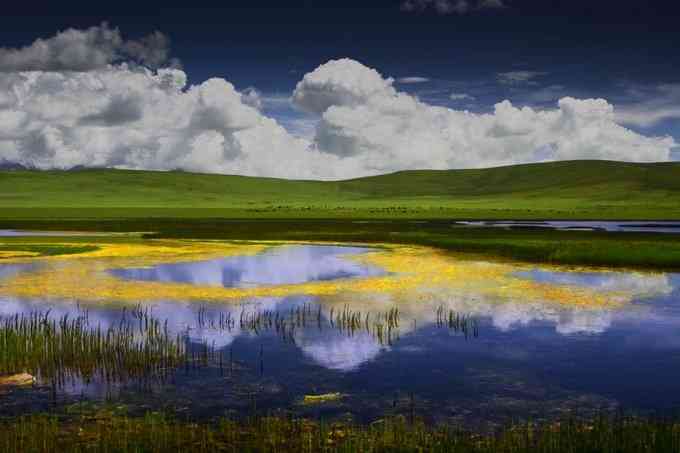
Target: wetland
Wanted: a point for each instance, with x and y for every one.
(208, 328)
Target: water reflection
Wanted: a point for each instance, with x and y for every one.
(280, 265)
(530, 355)
(10, 270)
(667, 226)
(335, 350)
(637, 283)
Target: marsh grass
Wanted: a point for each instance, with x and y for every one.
(458, 322)
(156, 432)
(382, 325)
(56, 350)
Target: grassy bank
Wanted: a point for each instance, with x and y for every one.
(156, 433)
(554, 190)
(633, 250)
(28, 249)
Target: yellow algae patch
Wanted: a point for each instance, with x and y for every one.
(155, 252)
(426, 267)
(410, 269)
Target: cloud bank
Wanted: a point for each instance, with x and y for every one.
(58, 112)
(85, 50)
(365, 120)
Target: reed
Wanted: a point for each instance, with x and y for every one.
(159, 433)
(383, 326)
(58, 350)
(458, 322)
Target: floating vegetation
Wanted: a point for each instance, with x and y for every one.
(320, 399)
(30, 250)
(155, 432)
(16, 380)
(54, 350)
(408, 269)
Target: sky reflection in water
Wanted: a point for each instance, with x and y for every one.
(529, 357)
(280, 265)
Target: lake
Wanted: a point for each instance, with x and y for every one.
(385, 330)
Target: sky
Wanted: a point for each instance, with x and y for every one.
(330, 90)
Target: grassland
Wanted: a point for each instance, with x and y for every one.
(556, 190)
(406, 207)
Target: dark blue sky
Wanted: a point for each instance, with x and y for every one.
(624, 51)
(598, 41)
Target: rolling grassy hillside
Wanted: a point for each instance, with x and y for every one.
(575, 189)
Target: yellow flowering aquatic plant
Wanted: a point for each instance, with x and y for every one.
(412, 273)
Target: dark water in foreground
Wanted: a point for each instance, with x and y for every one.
(526, 360)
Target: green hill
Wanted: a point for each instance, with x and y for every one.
(573, 189)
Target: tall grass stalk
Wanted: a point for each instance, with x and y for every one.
(56, 350)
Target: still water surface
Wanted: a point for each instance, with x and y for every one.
(660, 226)
(526, 359)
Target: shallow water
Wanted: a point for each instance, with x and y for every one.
(527, 358)
(10, 270)
(662, 226)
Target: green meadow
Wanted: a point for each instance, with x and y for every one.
(556, 190)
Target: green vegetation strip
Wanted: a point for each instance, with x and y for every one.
(552, 190)
(158, 433)
(620, 249)
(46, 249)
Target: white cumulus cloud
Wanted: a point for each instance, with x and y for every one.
(364, 119)
(127, 115)
(140, 119)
